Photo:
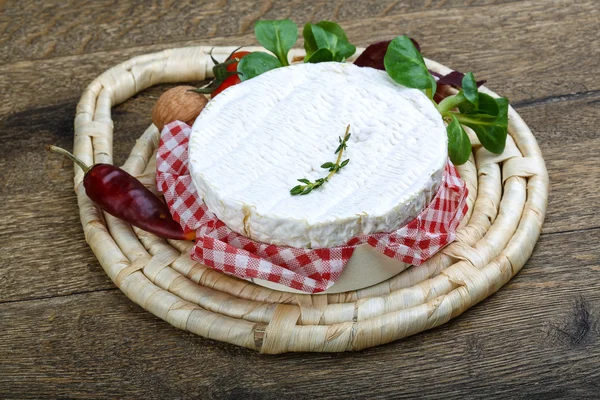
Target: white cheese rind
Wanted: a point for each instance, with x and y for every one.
(251, 143)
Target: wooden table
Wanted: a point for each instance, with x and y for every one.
(66, 331)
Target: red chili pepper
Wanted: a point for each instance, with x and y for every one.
(123, 196)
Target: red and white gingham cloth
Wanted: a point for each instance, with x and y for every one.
(308, 270)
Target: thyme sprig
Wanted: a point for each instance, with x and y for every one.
(331, 167)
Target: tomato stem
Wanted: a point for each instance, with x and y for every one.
(220, 72)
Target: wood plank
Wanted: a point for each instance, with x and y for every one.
(33, 32)
(516, 50)
(535, 338)
(44, 250)
(30, 177)
(40, 232)
(569, 137)
(67, 332)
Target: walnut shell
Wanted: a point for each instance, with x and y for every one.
(178, 103)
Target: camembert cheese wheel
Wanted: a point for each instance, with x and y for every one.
(251, 143)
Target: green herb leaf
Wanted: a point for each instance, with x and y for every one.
(310, 44)
(333, 28)
(332, 167)
(330, 35)
(326, 35)
(321, 55)
(451, 102)
(255, 64)
(469, 88)
(490, 129)
(487, 105)
(405, 65)
(277, 36)
(459, 145)
(296, 190)
(488, 117)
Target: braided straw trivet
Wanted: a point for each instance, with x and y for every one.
(507, 203)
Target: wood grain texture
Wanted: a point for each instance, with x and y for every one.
(536, 338)
(569, 136)
(65, 28)
(520, 48)
(65, 331)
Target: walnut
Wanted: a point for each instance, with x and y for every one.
(180, 104)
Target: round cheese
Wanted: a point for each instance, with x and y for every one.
(251, 143)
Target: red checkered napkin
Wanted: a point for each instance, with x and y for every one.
(308, 270)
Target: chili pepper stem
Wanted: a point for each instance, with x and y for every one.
(70, 156)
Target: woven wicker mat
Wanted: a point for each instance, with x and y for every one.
(507, 203)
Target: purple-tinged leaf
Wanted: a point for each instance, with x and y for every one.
(374, 54)
(454, 78)
(417, 45)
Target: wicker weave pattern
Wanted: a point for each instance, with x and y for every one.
(507, 203)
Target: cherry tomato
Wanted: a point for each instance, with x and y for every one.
(228, 82)
(239, 55)
(233, 79)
